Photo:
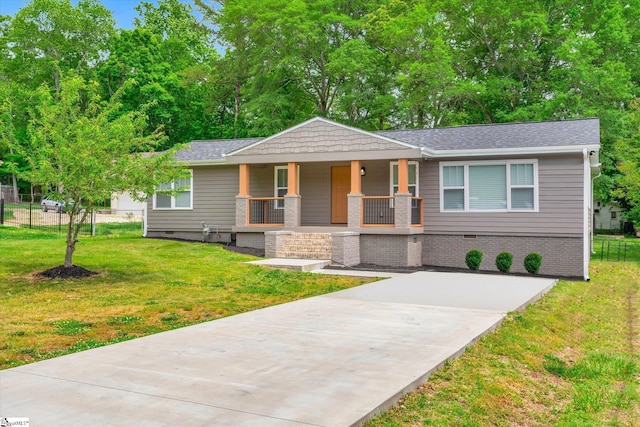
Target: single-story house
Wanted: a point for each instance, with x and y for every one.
(421, 197)
(124, 204)
(608, 216)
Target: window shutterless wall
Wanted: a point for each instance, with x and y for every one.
(560, 209)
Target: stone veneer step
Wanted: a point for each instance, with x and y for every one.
(307, 246)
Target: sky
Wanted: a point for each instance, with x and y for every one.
(123, 10)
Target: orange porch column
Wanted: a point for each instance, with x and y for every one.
(356, 183)
(292, 179)
(403, 175)
(244, 180)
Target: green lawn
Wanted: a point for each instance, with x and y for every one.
(571, 359)
(144, 286)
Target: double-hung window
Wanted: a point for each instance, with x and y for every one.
(182, 197)
(281, 184)
(413, 179)
(495, 186)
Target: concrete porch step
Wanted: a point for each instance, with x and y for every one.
(306, 255)
(293, 264)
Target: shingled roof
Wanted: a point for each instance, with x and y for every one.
(566, 133)
(212, 150)
(505, 135)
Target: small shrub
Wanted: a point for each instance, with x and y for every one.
(473, 259)
(504, 261)
(532, 262)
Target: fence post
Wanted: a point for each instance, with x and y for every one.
(1, 211)
(30, 215)
(59, 220)
(93, 223)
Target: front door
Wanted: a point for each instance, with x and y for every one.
(340, 187)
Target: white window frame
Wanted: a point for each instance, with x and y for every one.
(173, 198)
(275, 184)
(417, 184)
(507, 164)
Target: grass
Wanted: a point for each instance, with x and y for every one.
(144, 286)
(572, 359)
(616, 249)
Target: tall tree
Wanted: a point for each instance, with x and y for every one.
(48, 37)
(80, 151)
(316, 46)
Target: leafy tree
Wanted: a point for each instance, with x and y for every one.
(48, 37)
(628, 150)
(80, 150)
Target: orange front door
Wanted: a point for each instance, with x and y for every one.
(340, 187)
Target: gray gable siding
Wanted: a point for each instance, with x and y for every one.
(320, 137)
(561, 180)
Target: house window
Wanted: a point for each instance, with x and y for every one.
(489, 186)
(182, 199)
(281, 184)
(614, 215)
(413, 178)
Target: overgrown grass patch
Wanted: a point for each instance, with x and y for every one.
(571, 359)
(144, 286)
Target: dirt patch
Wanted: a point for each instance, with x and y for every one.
(62, 272)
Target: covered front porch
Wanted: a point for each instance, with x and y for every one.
(349, 196)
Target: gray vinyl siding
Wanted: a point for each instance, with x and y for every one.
(315, 188)
(561, 180)
(261, 180)
(214, 190)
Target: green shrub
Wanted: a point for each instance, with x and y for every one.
(504, 261)
(473, 259)
(532, 262)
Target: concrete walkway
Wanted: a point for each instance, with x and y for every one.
(333, 360)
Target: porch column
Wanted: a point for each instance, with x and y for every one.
(244, 180)
(292, 199)
(292, 179)
(403, 175)
(403, 196)
(242, 199)
(354, 198)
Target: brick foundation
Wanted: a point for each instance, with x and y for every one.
(561, 256)
(345, 248)
(250, 240)
(391, 250)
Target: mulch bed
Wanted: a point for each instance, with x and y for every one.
(62, 272)
(246, 251)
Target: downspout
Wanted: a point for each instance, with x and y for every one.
(145, 220)
(591, 168)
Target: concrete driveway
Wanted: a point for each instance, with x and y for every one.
(333, 360)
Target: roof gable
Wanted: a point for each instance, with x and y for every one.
(320, 135)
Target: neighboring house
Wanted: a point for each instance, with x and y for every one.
(394, 198)
(124, 204)
(608, 216)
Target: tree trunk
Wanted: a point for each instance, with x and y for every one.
(236, 110)
(71, 243)
(68, 257)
